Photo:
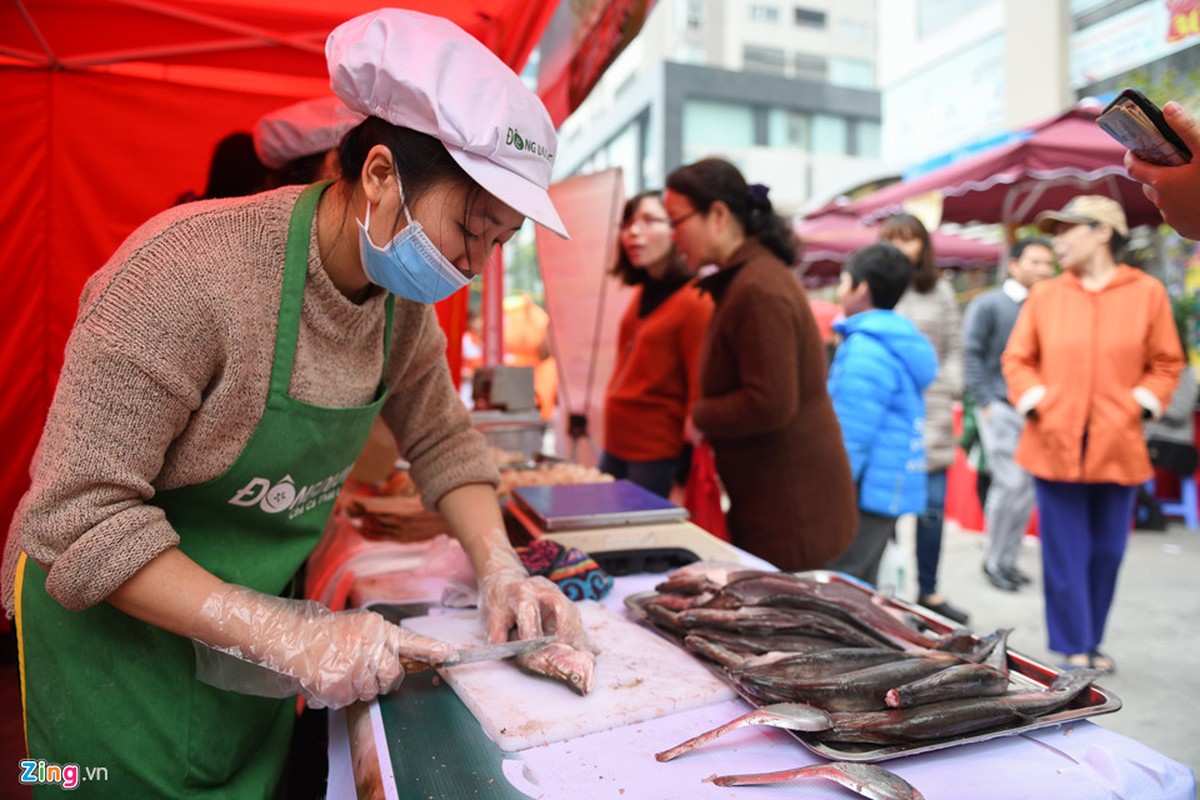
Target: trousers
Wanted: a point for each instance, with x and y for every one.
(1010, 495)
(861, 559)
(1084, 528)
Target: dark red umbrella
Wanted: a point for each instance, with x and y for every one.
(830, 239)
(1041, 168)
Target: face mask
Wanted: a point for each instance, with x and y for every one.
(410, 266)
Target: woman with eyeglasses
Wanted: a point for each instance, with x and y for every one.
(655, 377)
(763, 403)
(1094, 353)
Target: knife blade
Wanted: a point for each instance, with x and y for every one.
(489, 652)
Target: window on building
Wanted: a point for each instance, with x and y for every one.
(809, 18)
(811, 68)
(933, 15)
(1086, 13)
(711, 126)
(764, 13)
(598, 162)
(853, 73)
(647, 154)
(869, 139)
(763, 59)
(787, 128)
(623, 151)
(625, 84)
(830, 135)
(858, 29)
(688, 53)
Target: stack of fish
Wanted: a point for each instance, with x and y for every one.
(877, 679)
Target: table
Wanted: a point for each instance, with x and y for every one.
(428, 746)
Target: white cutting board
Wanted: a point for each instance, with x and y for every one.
(639, 676)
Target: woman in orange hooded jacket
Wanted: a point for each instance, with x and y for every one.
(1093, 353)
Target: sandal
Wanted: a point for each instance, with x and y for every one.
(1100, 661)
(1076, 661)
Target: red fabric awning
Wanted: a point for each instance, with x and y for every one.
(829, 240)
(243, 45)
(1051, 162)
(111, 110)
(581, 42)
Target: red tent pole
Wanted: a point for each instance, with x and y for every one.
(452, 316)
(493, 310)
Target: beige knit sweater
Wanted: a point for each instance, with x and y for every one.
(166, 377)
(937, 316)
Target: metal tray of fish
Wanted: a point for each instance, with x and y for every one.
(1024, 673)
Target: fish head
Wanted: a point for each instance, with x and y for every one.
(564, 663)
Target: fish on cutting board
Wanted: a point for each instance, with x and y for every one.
(571, 659)
(561, 662)
(638, 676)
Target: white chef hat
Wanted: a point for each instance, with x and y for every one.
(425, 73)
(302, 129)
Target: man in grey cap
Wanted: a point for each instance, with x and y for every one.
(988, 322)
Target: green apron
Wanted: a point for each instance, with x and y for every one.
(103, 689)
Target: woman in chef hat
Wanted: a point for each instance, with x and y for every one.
(299, 142)
(223, 372)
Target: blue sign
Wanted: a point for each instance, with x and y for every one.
(965, 152)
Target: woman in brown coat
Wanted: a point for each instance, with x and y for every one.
(763, 403)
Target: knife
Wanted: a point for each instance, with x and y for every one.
(489, 652)
(227, 671)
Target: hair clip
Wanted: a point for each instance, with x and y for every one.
(757, 193)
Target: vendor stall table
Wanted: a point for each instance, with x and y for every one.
(422, 742)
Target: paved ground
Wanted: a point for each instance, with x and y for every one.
(1153, 631)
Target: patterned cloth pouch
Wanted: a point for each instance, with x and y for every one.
(574, 571)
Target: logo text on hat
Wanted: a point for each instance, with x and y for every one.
(523, 143)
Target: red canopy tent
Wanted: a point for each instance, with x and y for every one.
(830, 239)
(112, 109)
(1040, 168)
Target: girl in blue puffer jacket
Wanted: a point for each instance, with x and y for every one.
(876, 383)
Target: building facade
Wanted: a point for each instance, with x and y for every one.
(786, 90)
(956, 73)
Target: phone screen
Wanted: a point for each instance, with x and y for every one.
(1134, 125)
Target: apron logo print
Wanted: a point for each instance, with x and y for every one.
(279, 496)
(275, 498)
(272, 499)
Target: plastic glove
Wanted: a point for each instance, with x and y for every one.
(332, 659)
(509, 597)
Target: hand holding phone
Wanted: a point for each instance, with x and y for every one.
(1175, 190)
(1139, 125)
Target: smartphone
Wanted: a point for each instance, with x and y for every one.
(1138, 124)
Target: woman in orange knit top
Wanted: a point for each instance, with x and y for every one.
(1093, 353)
(655, 378)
